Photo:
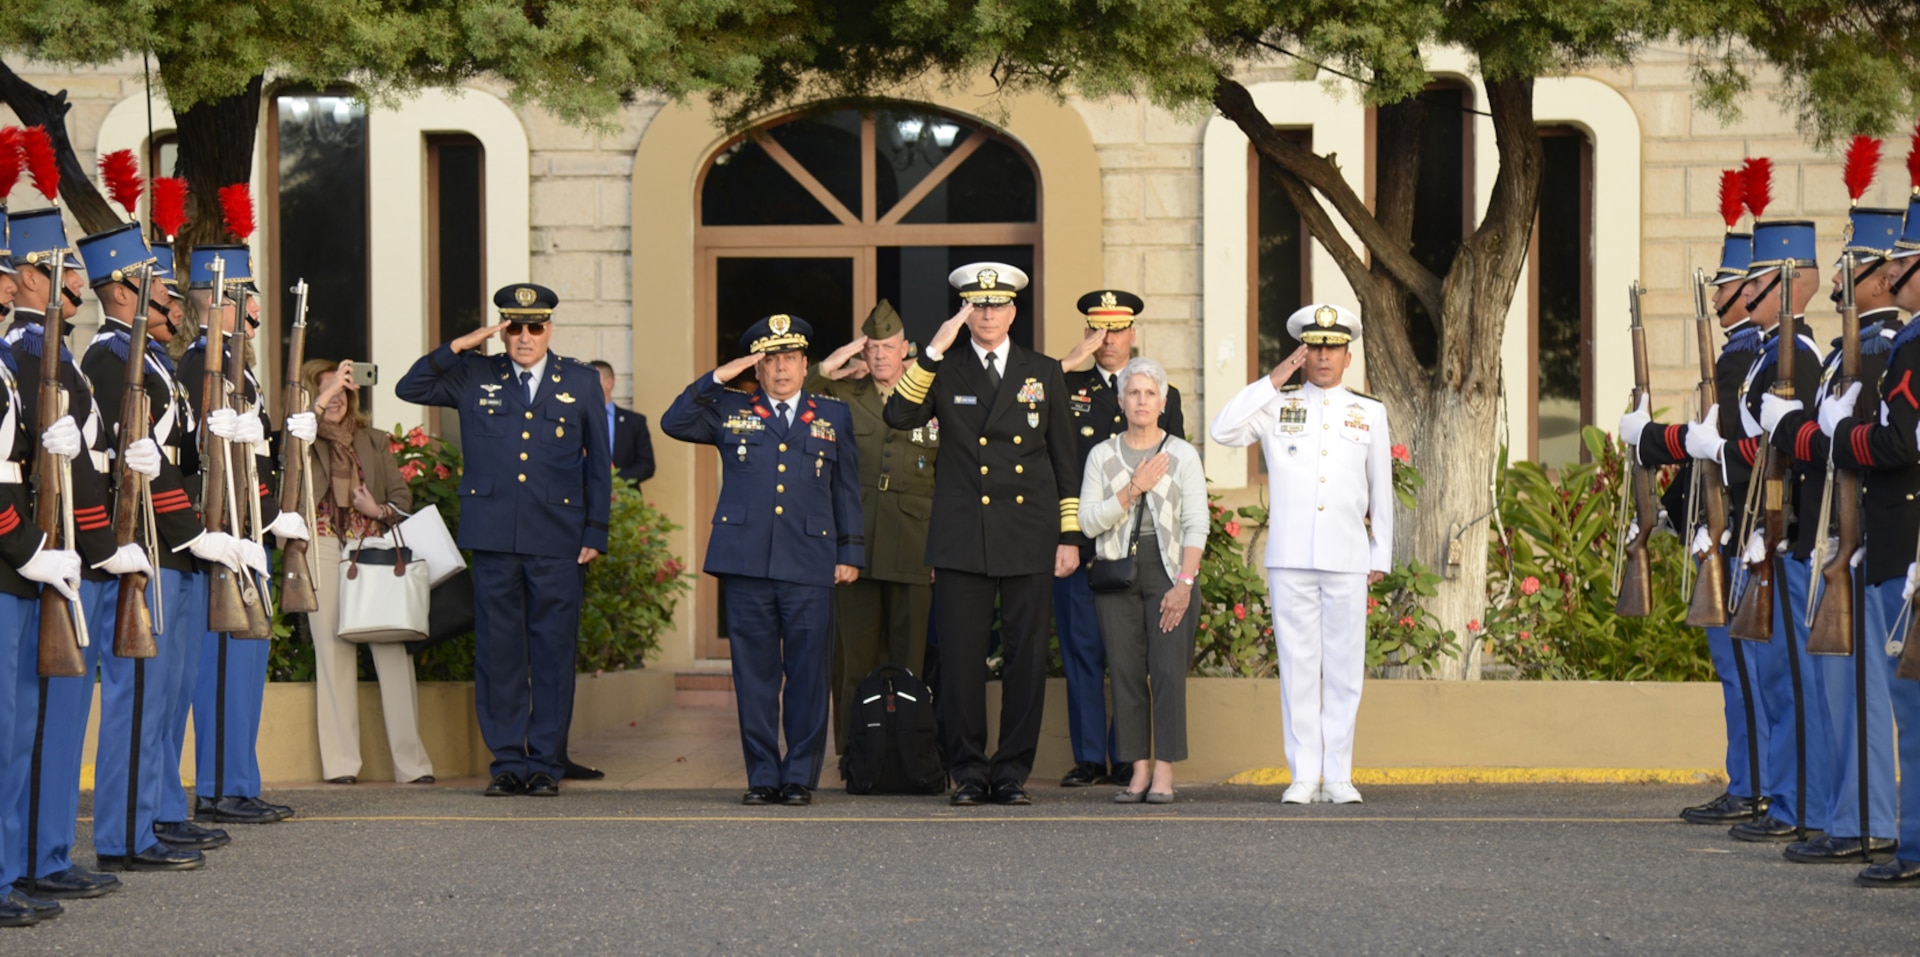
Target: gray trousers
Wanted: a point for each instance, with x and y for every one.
(1148, 667)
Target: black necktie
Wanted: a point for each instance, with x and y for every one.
(780, 417)
(526, 385)
(1110, 383)
(993, 373)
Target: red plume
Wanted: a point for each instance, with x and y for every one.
(42, 165)
(122, 174)
(1913, 159)
(1758, 173)
(169, 205)
(236, 207)
(1733, 197)
(9, 161)
(1863, 161)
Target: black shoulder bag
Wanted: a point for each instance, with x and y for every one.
(1116, 575)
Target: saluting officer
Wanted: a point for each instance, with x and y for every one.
(781, 540)
(1006, 517)
(881, 617)
(1330, 470)
(1094, 398)
(534, 503)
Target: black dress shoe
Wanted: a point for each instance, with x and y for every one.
(796, 795)
(1827, 849)
(20, 910)
(542, 785)
(1725, 809)
(1085, 775)
(968, 795)
(189, 834)
(232, 810)
(344, 779)
(504, 784)
(758, 796)
(1767, 830)
(280, 811)
(579, 772)
(422, 779)
(1896, 872)
(44, 908)
(1011, 794)
(1121, 775)
(74, 883)
(160, 857)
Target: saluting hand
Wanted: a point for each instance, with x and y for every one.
(1083, 349)
(1288, 366)
(476, 337)
(839, 357)
(733, 370)
(949, 331)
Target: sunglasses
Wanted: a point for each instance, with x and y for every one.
(526, 328)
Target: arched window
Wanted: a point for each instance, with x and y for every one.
(823, 213)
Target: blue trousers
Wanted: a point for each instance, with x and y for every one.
(782, 639)
(53, 715)
(1904, 697)
(526, 622)
(173, 677)
(19, 626)
(1740, 697)
(1839, 682)
(1796, 729)
(1083, 655)
(228, 691)
(132, 761)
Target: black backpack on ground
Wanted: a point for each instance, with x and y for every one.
(895, 747)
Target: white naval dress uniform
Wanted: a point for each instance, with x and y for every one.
(1329, 468)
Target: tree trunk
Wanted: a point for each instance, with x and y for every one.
(37, 107)
(216, 149)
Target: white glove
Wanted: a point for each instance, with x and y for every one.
(56, 568)
(217, 547)
(62, 438)
(1633, 530)
(253, 556)
(221, 422)
(1907, 590)
(144, 457)
(303, 426)
(1838, 407)
(1773, 409)
(247, 429)
(1702, 542)
(1756, 549)
(1703, 437)
(289, 525)
(126, 560)
(1635, 422)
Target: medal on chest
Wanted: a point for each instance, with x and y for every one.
(1031, 391)
(1293, 418)
(1357, 419)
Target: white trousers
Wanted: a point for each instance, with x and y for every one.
(336, 667)
(1320, 632)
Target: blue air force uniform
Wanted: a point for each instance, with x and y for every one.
(789, 511)
(537, 488)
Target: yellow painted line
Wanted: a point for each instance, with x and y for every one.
(1150, 817)
(1468, 775)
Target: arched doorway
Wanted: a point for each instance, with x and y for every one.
(823, 213)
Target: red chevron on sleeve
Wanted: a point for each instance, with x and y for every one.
(1803, 441)
(9, 520)
(91, 519)
(1905, 388)
(172, 500)
(1676, 441)
(1862, 449)
(1748, 448)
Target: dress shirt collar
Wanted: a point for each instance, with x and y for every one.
(1000, 351)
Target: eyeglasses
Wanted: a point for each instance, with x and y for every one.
(526, 328)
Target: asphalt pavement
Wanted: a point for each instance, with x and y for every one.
(1451, 869)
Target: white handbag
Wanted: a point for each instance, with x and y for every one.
(426, 533)
(384, 593)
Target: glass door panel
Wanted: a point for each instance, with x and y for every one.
(914, 279)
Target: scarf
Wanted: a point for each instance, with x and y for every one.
(343, 469)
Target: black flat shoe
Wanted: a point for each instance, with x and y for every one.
(22, 910)
(1085, 775)
(1011, 794)
(503, 784)
(760, 796)
(422, 779)
(159, 857)
(1890, 873)
(968, 795)
(1726, 809)
(191, 835)
(1837, 850)
(796, 795)
(1767, 830)
(542, 785)
(74, 883)
(344, 779)
(579, 772)
(233, 810)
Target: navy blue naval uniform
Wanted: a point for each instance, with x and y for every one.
(789, 511)
(537, 488)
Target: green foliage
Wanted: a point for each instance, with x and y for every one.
(1557, 531)
(1400, 633)
(633, 589)
(1234, 636)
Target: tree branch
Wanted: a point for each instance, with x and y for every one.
(37, 107)
(1499, 245)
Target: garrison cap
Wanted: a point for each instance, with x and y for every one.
(115, 255)
(1323, 324)
(526, 301)
(883, 322)
(776, 333)
(1110, 308)
(989, 283)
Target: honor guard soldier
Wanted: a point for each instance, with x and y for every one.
(1656, 444)
(1006, 521)
(1094, 399)
(782, 539)
(1330, 470)
(231, 675)
(534, 502)
(1840, 679)
(1796, 736)
(881, 617)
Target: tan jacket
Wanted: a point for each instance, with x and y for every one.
(381, 472)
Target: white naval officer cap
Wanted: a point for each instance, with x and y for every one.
(1324, 324)
(989, 283)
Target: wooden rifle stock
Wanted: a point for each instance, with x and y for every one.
(225, 612)
(59, 654)
(133, 618)
(252, 599)
(1753, 617)
(1635, 599)
(296, 572)
(1833, 616)
(1708, 607)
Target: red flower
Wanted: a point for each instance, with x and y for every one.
(1526, 636)
(393, 445)
(1266, 631)
(1473, 625)
(441, 471)
(1372, 604)
(1240, 611)
(1233, 528)
(1529, 585)
(410, 471)
(1401, 455)
(1406, 622)
(417, 438)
